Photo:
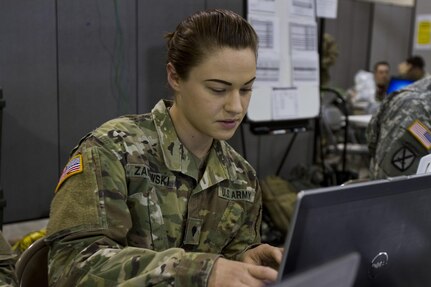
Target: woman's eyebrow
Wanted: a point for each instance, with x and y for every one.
(248, 82)
(219, 81)
(228, 83)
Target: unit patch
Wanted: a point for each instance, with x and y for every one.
(74, 166)
(421, 133)
(237, 194)
(403, 158)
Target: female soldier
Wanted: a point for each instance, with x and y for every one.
(161, 198)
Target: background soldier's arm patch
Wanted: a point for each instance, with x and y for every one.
(421, 133)
(74, 166)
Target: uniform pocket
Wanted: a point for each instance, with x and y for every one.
(148, 230)
(230, 223)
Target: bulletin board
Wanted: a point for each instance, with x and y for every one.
(287, 77)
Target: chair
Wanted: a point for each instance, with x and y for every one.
(32, 265)
(337, 141)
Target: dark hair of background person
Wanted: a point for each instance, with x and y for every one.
(416, 61)
(204, 32)
(412, 68)
(379, 63)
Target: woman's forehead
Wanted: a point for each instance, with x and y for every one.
(227, 64)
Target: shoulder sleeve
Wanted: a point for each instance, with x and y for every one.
(398, 150)
(88, 226)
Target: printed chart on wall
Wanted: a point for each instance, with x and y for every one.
(287, 77)
(423, 32)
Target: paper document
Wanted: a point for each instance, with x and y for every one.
(284, 103)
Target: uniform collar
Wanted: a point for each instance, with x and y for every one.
(178, 158)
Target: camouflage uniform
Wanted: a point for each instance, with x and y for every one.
(136, 214)
(330, 55)
(7, 264)
(398, 134)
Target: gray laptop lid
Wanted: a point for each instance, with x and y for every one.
(340, 272)
(388, 222)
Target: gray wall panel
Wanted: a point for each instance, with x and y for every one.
(155, 19)
(265, 152)
(234, 5)
(391, 35)
(29, 165)
(97, 75)
(351, 32)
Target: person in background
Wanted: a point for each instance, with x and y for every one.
(399, 133)
(413, 68)
(329, 57)
(381, 78)
(161, 199)
(369, 89)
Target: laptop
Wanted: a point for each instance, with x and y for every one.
(340, 272)
(397, 83)
(388, 222)
(424, 164)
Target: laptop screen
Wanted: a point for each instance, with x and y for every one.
(388, 222)
(340, 272)
(397, 83)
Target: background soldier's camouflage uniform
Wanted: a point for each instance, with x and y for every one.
(138, 215)
(7, 264)
(394, 150)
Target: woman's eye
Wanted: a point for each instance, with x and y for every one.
(218, 91)
(246, 90)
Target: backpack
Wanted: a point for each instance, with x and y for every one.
(278, 198)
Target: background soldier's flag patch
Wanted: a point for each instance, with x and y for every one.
(74, 166)
(421, 133)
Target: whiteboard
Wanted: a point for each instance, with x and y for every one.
(287, 75)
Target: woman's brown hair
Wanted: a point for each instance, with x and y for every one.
(202, 33)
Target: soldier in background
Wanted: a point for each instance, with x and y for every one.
(160, 199)
(412, 68)
(381, 78)
(399, 134)
(329, 57)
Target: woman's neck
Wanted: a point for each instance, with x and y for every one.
(196, 142)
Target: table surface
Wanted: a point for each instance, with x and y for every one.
(360, 120)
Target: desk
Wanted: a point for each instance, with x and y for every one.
(360, 121)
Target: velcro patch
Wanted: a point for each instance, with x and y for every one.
(74, 166)
(403, 158)
(193, 231)
(421, 133)
(236, 194)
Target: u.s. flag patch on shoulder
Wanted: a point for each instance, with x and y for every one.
(74, 166)
(421, 133)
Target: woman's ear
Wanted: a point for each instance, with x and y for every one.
(173, 78)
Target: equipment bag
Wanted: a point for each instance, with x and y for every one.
(279, 198)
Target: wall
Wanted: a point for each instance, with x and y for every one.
(28, 76)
